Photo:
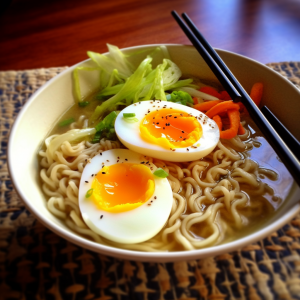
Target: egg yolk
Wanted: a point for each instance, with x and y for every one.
(122, 187)
(170, 128)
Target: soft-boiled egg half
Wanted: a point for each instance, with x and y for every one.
(121, 199)
(167, 131)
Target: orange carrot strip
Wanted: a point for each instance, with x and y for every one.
(207, 105)
(218, 120)
(225, 96)
(256, 92)
(221, 107)
(234, 118)
(210, 91)
(241, 129)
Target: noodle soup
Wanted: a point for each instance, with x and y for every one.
(30, 130)
(221, 197)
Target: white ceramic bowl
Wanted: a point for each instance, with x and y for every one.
(45, 107)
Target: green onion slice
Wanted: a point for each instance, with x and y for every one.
(159, 172)
(66, 122)
(128, 115)
(89, 193)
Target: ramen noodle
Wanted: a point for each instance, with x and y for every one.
(213, 198)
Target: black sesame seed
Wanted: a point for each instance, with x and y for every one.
(101, 216)
(100, 153)
(117, 160)
(182, 131)
(155, 197)
(86, 181)
(187, 149)
(103, 173)
(126, 159)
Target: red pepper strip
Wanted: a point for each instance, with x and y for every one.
(241, 129)
(234, 118)
(225, 96)
(256, 92)
(222, 107)
(207, 105)
(218, 120)
(210, 91)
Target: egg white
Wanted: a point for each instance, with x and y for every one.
(129, 133)
(132, 226)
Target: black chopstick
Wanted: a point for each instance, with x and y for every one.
(215, 63)
(214, 66)
(285, 134)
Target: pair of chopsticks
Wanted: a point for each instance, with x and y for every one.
(284, 144)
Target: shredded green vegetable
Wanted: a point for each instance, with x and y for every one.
(77, 89)
(159, 172)
(123, 84)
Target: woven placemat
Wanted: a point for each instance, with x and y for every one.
(37, 264)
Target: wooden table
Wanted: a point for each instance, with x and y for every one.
(36, 33)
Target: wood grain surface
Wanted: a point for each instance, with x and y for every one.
(50, 33)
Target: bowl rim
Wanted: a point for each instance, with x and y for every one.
(159, 256)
